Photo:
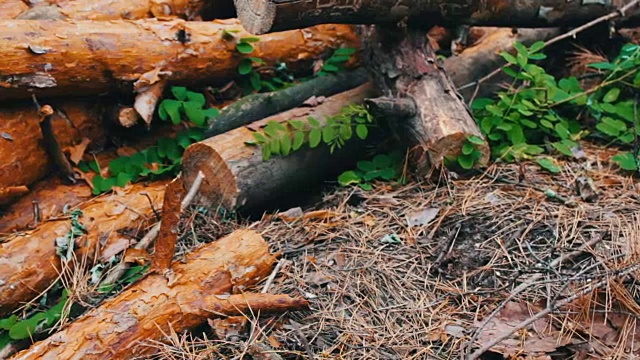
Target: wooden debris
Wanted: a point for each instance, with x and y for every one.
(28, 261)
(262, 16)
(166, 242)
(67, 57)
(199, 289)
(237, 176)
(428, 113)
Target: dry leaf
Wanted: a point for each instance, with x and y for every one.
(114, 247)
(136, 256)
(314, 101)
(422, 217)
(126, 151)
(228, 328)
(273, 341)
(115, 209)
(317, 278)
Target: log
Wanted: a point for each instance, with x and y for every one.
(24, 158)
(480, 59)
(263, 16)
(50, 196)
(237, 177)
(436, 122)
(101, 10)
(9, 9)
(28, 261)
(50, 58)
(258, 106)
(155, 306)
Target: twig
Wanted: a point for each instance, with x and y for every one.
(520, 288)
(275, 271)
(612, 15)
(546, 311)
(118, 271)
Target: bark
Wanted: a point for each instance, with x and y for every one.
(155, 306)
(405, 67)
(24, 158)
(165, 244)
(236, 176)
(257, 106)
(8, 194)
(262, 16)
(50, 197)
(483, 57)
(99, 9)
(89, 57)
(28, 261)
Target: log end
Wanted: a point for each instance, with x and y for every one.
(219, 186)
(256, 16)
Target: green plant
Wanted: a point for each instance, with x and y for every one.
(469, 154)
(165, 157)
(336, 62)
(13, 328)
(281, 139)
(538, 113)
(66, 244)
(382, 167)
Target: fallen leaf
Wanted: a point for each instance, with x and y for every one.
(273, 341)
(137, 256)
(317, 278)
(320, 215)
(126, 151)
(291, 214)
(115, 209)
(115, 247)
(422, 217)
(337, 259)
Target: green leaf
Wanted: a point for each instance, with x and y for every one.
(330, 67)
(7, 323)
(250, 39)
(338, 59)
(611, 95)
(196, 98)
(245, 67)
(536, 46)
(466, 161)
(476, 140)
(261, 138)
(348, 178)
(516, 135)
(274, 146)
(179, 92)
(467, 148)
(549, 164)
(362, 131)
(266, 152)
(328, 134)
(366, 166)
(255, 80)
(296, 124)
(172, 108)
(182, 139)
(562, 131)
(118, 165)
(344, 51)
(388, 173)
(562, 148)
(365, 186)
(298, 140)
(602, 65)
(313, 122)
(315, 136)
(509, 71)
(26, 328)
(194, 113)
(123, 179)
(509, 58)
(626, 161)
(210, 113)
(381, 161)
(244, 47)
(285, 145)
(611, 126)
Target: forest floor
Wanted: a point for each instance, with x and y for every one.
(439, 269)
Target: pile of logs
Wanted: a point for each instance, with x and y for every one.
(104, 65)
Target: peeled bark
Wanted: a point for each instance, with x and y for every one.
(405, 67)
(236, 176)
(483, 57)
(69, 57)
(24, 159)
(156, 306)
(263, 16)
(28, 261)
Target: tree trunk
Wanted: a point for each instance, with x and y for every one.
(236, 176)
(155, 306)
(24, 158)
(100, 9)
(263, 16)
(28, 261)
(480, 59)
(417, 89)
(69, 57)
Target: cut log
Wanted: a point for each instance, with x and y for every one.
(155, 306)
(263, 16)
(483, 57)
(404, 66)
(28, 261)
(236, 176)
(70, 57)
(24, 159)
(105, 10)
